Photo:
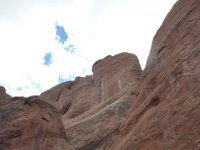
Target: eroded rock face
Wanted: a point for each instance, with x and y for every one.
(92, 109)
(117, 108)
(30, 124)
(111, 75)
(95, 106)
(99, 127)
(165, 114)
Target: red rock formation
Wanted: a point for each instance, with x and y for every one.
(116, 108)
(113, 73)
(166, 113)
(76, 97)
(99, 127)
(95, 106)
(3, 96)
(30, 124)
(2, 91)
(92, 109)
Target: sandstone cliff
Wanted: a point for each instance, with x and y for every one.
(119, 107)
(166, 113)
(94, 107)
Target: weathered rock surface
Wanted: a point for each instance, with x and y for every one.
(30, 124)
(92, 109)
(76, 97)
(99, 127)
(166, 113)
(119, 107)
(3, 96)
(95, 106)
(114, 72)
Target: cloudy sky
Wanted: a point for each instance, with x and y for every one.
(46, 42)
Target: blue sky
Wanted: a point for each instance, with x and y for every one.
(61, 35)
(48, 59)
(45, 42)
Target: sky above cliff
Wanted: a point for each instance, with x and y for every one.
(47, 42)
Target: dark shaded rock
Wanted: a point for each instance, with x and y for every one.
(30, 127)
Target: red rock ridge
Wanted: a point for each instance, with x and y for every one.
(95, 106)
(165, 114)
(119, 107)
(111, 75)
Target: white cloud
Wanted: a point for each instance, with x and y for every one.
(96, 28)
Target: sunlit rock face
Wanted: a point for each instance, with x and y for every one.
(119, 106)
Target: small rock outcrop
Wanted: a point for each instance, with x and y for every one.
(30, 124)
(3, 96)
